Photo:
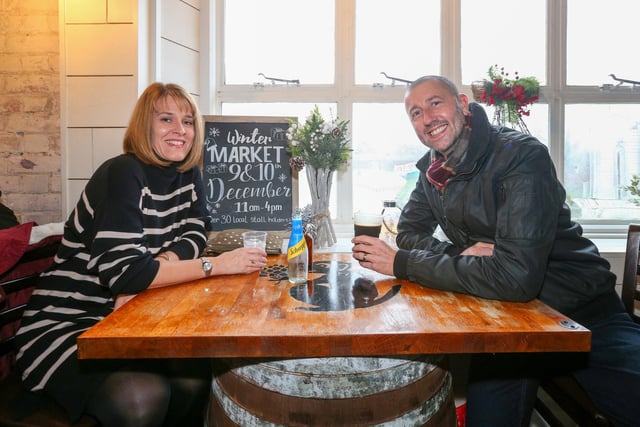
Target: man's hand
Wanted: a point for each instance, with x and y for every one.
(479, 249)
(374, 254)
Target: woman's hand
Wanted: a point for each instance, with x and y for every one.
(241, 260)
(374, 254)
(122, 299)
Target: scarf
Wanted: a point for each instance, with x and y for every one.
(443, 165)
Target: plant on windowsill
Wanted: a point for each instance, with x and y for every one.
(634, 189)
(511, 97)
(323, 147)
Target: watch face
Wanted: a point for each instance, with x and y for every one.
(206, 265)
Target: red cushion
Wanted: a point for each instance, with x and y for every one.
(20, 259)
(13, 244)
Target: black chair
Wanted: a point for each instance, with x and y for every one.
(630, 289)
(565, 391)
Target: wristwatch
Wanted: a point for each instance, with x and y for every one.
(206, 266)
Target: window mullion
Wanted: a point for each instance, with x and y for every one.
(556, 79)
(450, 42)
(344, 81)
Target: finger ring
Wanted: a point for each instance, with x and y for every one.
(364, 258)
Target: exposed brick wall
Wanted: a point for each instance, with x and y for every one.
(30, 159)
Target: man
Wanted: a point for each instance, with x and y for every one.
(494, 193)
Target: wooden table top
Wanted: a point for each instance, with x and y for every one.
(345, 310)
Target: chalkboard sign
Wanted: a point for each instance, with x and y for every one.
(247, 178)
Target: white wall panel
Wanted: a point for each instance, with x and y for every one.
(107, 143)
(100, 101)
(180, 23)
(101, 49)
(80, 152)
(74, 187)
(194, 3)
(180, 65)
(121, 11)
(85, 11)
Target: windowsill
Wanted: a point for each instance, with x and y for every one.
(343, 244)
(610, 240)
(610, 245)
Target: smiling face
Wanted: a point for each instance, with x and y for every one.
(435, 115)
(172, 130)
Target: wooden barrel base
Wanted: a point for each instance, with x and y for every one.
(334, 391)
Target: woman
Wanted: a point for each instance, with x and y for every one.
(139, 224)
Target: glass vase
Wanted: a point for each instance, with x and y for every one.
(506, 115)
(320, 181)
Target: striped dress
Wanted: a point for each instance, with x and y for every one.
(128, 213)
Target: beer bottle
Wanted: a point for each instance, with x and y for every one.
(309, 236)
(390, 216)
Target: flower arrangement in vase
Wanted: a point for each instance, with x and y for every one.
(511, 97)
(322, 147)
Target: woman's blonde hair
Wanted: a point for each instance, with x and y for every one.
(137, 138)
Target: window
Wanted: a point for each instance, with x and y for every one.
(602, 152)
(340, 50)
(385, 150)
(510, 33)
(287, 39)
(598, 46)
(401, 39)
(602, 118)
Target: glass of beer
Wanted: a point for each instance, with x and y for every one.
(367, 223)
